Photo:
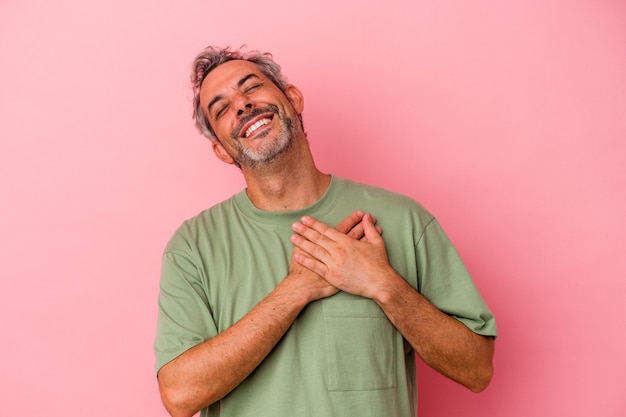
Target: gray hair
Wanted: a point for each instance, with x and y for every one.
(209, 59)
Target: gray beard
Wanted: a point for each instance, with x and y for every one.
(268, 152)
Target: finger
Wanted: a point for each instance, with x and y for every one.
(372, 232)
(356, 232)
(379, 230)
(308, 247)
(324, 233)
(349, 222)
(310, 263)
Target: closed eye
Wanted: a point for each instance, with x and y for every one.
(252, 88)
(221, 111)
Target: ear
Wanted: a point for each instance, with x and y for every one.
(295, 97)
(221, 153)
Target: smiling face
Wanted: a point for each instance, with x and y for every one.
(254, 121)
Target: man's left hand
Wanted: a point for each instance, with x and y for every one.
(356, 266)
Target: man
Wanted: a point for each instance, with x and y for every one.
(291, 298)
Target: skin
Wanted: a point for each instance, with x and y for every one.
(280, 174)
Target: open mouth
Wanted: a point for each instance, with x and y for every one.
(256, 125)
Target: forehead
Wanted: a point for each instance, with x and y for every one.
(227, 75)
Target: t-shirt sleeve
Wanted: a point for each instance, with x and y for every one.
(444, 280)
(184, 315)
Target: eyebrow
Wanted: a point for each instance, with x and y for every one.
(239, 84)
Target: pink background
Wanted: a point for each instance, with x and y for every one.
(508, 121)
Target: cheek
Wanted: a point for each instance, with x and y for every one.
(222, 128)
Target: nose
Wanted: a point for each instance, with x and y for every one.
(246, 106)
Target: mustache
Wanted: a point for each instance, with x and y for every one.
(254, 113)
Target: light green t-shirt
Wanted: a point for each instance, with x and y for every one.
(342, 356)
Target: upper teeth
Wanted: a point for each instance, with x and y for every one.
(257, 125)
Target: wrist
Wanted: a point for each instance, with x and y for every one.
(391, 288)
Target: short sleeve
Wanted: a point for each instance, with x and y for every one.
(184, 316)
(444, 280)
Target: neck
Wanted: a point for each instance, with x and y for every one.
(292, 183)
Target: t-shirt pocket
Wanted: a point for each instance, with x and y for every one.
(360, 345)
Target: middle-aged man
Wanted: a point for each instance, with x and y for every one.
(305, 294)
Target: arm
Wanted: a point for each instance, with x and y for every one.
(361, 267)
(210, 370)
(443, 342)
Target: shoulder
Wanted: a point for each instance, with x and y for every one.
(385, 200)
(195, 230)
